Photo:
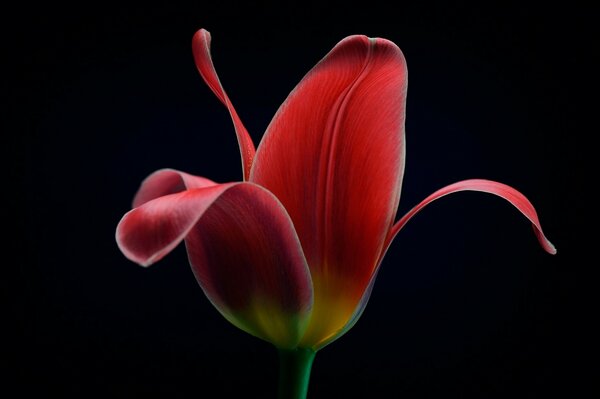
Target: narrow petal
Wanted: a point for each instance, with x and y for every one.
(167, 181)
(334, 156)
(203, 59)
(243, 250)
(487, 186)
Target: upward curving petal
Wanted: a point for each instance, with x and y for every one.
(203, 59)
(243, 250)
(334, 156)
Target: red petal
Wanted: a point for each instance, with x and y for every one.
(203, 59)
(243, 250)
(167, 181)
(502, 190)
(487, 186)
(150, 231)
(334, 156)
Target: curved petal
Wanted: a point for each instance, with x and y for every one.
(487, 186)
(508, 193)
(334, 156)
(149, 232)
(243, 250)
(203, 59)
(167, 181)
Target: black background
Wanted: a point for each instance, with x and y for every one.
(467, 304)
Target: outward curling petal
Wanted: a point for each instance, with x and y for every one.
(502, 190)
(243, 250)
(334, 156)
(203, 59)
(167, 181)
(150, 231)
(487, 186)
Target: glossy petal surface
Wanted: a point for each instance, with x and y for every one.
(334, 156)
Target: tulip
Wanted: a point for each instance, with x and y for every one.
(290, 253)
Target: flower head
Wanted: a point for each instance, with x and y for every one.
(291, 252)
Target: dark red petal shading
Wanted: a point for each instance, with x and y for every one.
(203, 59)
(334, 156)
(243, 250)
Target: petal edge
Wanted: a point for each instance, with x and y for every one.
(201, 50)
(516, 198)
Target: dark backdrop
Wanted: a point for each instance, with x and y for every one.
(467, 304)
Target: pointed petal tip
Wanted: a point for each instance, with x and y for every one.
(544, 242)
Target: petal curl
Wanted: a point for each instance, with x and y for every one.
(243, 250)
(334, 156)
(167, 181)
(150, 231)
(203, 59)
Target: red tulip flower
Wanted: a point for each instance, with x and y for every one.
(290, 253)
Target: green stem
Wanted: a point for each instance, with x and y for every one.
(294, 372)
